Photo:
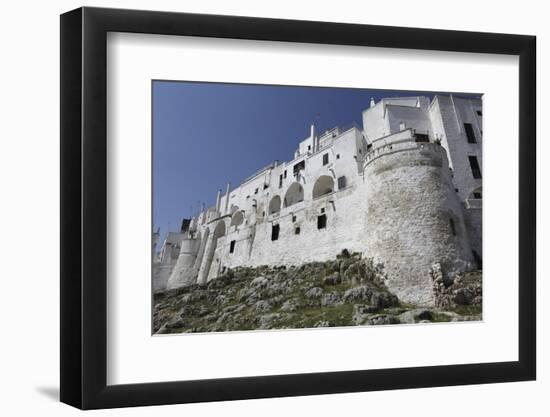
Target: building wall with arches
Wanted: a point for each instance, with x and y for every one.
(321, 202)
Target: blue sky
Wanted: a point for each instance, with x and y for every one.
(206, 134)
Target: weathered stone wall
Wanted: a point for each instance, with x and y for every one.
(164, 263)
(411, 204)
(183, 272)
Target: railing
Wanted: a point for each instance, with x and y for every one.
(399, 145)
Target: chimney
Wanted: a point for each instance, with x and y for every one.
(313, 137)
(372, 102)
(218, 199)
(227, 197)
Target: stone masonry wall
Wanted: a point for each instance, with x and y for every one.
(411, 204)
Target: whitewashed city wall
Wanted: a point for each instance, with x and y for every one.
(404, 202)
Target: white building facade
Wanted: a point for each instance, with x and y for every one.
(405, 190)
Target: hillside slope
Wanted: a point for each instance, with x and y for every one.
(346, 291)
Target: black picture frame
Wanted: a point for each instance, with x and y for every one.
(84, 207)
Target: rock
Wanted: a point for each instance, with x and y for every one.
(374, 297)
(381, 319)
(323, 323)
(186, 311)
(234, 308)
(361, 294)
(353, 273)
(260, 281)
(331, 299)
(395, 311)
(463, 296)
(201, 311)
(290, 305)
(220, 299)
(314, 292)
(175, 324)
(219, 282)
(436, 273)
(262, 306)
(360, 313)
(267, 320)
(383, 299)
(364, 309)
(416, 315)
(333, 279)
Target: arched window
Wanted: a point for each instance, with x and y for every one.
(237, 219)
(323, 185)
(219, 231)
(275, 205)
(294, 194)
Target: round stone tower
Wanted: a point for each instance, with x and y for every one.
(414, 217)
(184, 272)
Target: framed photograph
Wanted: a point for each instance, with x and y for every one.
(257, 208)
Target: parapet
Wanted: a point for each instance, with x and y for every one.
(405, 140)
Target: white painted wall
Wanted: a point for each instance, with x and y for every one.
(407, 234)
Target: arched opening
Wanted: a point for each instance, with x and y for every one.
(219, 231)
(206, 273)
(275, 205)
(237, 219)
(294, 194)
(324, 185)
(202, 246)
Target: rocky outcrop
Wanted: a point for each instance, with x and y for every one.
(464, 289)
(346, 291)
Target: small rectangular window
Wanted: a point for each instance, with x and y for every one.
(478, 112)
(474, 165)
(341, 183)
(325, 159)
(477, 195)
(322, 221)
(337, 156)
(297, 230)
(256, 191)
(293, 219)
(322, 210)
(232, 246)
(281, 181)
(421, 137)
(275, 232)
(309, 147)
(452, 225)
(285, 174)
(470, 133)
